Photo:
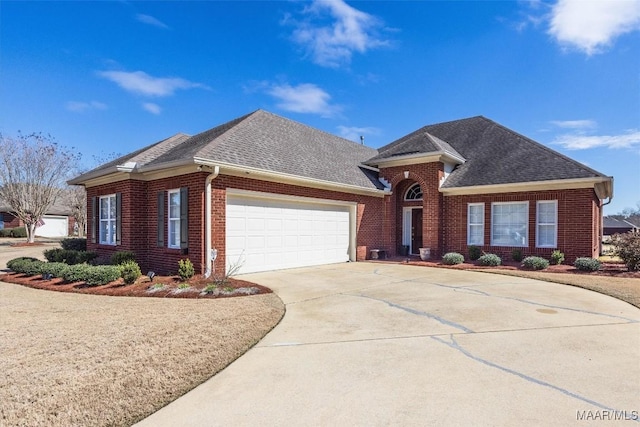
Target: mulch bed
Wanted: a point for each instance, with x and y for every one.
(607, 269)
(143, 287)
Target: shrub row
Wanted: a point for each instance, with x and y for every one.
(14, 232)
(69, 256)
(74, 244)
(91, 275)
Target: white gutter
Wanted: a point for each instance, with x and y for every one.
(207, 220)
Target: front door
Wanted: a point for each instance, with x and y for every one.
(416, 230)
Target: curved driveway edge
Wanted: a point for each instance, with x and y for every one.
(382, 344)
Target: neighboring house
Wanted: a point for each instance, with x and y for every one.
(272, 193)
(58, 221)
(618, 226)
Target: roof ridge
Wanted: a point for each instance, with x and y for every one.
(544, 147)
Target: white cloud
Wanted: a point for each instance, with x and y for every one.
(333, 43)
(590, 26)
(303, 98)
(152, 108)
(575, 124)
(150, 20)
(629, 139)
(80, 107)
(142, 83)
(353, 133)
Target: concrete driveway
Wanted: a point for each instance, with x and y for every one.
(382, 344)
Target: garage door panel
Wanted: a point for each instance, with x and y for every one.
(274, 234)
(54, 226)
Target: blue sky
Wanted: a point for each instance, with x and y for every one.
(111, 77)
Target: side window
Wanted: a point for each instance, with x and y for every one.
(107, 219)
(173, 218)
(547, 224)
(475, 224)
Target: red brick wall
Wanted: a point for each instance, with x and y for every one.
(578, 222)
(428, 176)
(139, 217)
(10, 221)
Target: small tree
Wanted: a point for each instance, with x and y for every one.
(33, 171)
(75, 196)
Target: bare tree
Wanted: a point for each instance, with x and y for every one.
(75, 196)
(33, 171)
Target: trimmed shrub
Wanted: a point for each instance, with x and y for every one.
(535, 263)
(69, 256)
(452, 258)
(76, 272)
(587, 264)
(130, 271)
(55, 269)
(121, 257)
(6, 232)
(101, 274)
(474, 252)
(490, 260)
(19, 260)
(33, 268)
(19, 232)
(516, 255)
(557, 257)
(74, 244)
(627, 247)
(185, 269)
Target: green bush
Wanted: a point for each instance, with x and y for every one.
(557, 257)
(101, 274)
(490, 260)
(55, 269)
(452, 258)
(516, 255)
(121, 257)
(76, 273)
(535, 263)
(69, 256)
(28, 266)
(6, 232)
(19, 232)
(13, 262)
(130, 271)
(74, 244)
(185, 269)
(587, 264)
(627, 247)
(474, 252)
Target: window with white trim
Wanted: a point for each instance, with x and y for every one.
(547, 223)
(475, 224)
(510, 224)
(174, 218)
(414, 192)
(108, 220)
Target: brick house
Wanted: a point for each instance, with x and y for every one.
(269, 193)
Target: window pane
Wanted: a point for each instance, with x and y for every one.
(174, 233)
(104, 208)
(112, 207)
(174, 205)
(509, 224)
(476, 236)
(546, 235)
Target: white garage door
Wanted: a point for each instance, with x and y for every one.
(54, 226)
(266, 234)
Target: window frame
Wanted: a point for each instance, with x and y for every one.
(175, 220)
(469, 224)
(546, 224)
(411, 189)
(104, 240)
(526, 224)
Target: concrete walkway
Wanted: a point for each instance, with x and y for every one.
(381, 344)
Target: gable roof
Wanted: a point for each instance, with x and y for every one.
(260, 141)
(494, 154)
(610, 222)
(414, 144)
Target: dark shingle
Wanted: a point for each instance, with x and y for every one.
(494, 154)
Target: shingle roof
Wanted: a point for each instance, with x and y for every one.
(415, 143)
(268, 142)
(610, 222)
(494, 154)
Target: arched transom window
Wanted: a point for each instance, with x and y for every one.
(414, 192)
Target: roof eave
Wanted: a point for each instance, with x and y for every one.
(409, 159)
(603, 182)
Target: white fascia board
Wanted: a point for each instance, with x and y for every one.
(412, 159)
(557, 184)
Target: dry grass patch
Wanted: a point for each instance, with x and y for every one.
(71, 359)
(624, 288)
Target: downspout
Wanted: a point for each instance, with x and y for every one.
(207, 222)
(602, 215)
